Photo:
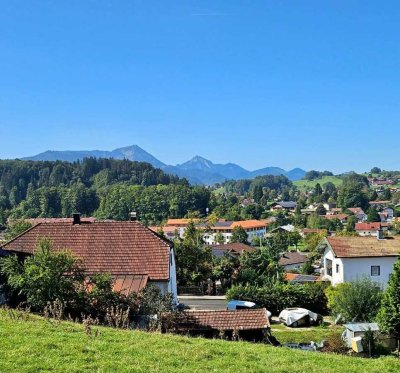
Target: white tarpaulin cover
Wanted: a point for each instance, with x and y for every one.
(291, 315)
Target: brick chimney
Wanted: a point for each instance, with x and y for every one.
(132, 216)
(76, 218)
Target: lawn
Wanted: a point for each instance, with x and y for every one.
(35, 345)
(285, 334)
(307, 184)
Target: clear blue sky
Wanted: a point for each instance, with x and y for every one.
(314, 84)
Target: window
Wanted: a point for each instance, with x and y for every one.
(337, 268)
(375, 270)
(328, 266)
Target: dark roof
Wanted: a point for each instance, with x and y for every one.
(287, 204)
(118, 248)
(235, 247)
(354, 247)
(223, 224)
(292, 258)
(296, 278)
(246, 319)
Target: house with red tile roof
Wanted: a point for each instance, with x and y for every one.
(369, 229)
(132, 254)
(346, 259)
(247, 324)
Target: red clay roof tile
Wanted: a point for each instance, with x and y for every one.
(118, 248)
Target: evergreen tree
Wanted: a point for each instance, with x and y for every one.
(373, 215)
(389, 313)
(239, 235)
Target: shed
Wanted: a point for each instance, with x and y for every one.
(247, 324)
(357, 330)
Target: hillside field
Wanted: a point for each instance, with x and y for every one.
(308, 184)
(35, 344)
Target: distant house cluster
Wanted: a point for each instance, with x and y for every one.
(211, 232)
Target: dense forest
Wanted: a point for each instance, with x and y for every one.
(106, 188)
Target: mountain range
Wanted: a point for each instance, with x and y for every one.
(198, 170)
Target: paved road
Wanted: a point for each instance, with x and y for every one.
(204, 302)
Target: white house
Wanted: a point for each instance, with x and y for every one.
(346, 259)
(369, 229)
(359, 214)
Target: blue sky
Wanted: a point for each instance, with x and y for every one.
(313, 84)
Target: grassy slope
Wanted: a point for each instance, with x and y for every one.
(36, 345)
(303, 184)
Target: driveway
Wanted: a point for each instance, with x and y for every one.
(203, 302)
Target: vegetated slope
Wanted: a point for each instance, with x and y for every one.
(38, 345)
(308, 184)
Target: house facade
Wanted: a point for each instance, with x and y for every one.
(132, 254)
(253, 228)
(346, 259)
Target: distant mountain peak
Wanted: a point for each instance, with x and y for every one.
(197, 170)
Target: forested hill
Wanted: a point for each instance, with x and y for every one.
(107, 188)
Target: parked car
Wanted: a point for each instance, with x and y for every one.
(242, 305)
(295, 317)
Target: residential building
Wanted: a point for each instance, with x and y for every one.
(231, 249)
(341, 217)
(297, 278)
(358, 213)
(346, 259)
(132, 254)
(292, 260)
(253, 228)
(284, 205)
(369, 229)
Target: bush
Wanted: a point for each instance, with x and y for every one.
(335, 344)
(279, 296)
(45, 277)
(357, 301)
(49, 280)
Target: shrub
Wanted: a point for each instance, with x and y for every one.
(45, 276)
(279, 296)
(355, 301)
(335, 344)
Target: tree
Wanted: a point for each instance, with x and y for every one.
(389, 313)
(320, 209)
(386, 195)
(45, 276)
(257, 193)
(193, 261)
(259, 267)
(351, 223)
(219, 238)
(16, 228)
(376, 170)
(318, 189)
(373, 215)
(356, 301)
(239, 235)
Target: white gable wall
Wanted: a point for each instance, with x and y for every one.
(355, 268)
(337, 275)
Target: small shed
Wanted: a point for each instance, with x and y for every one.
(357, 330)
(245, 324)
